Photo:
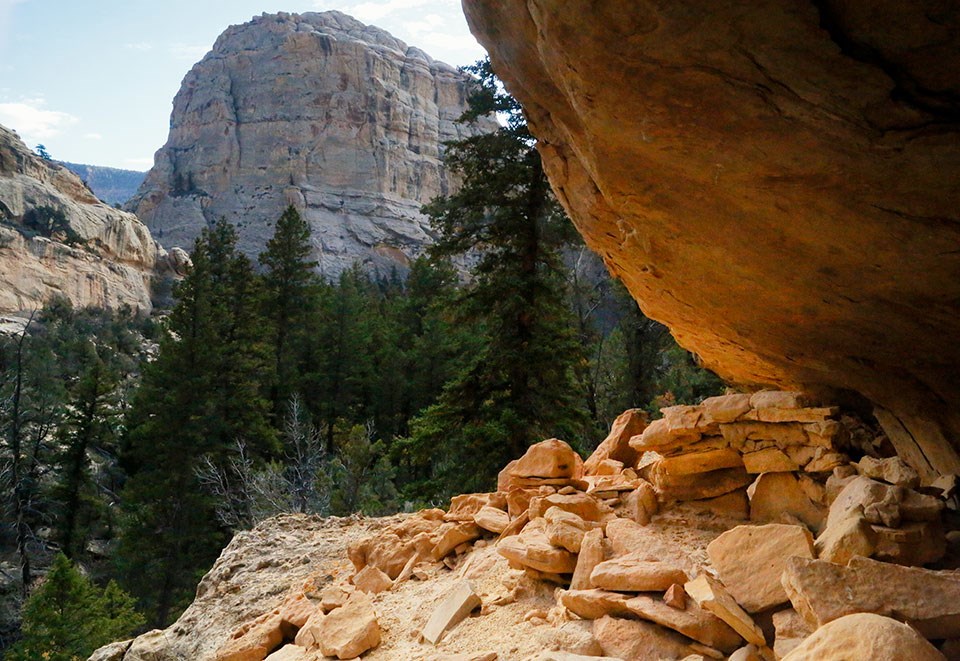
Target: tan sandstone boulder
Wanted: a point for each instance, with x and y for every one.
(350, 630)
(751, 559)
(865, 637)
(822, 592)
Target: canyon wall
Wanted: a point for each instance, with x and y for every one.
(777, 182)
(58, 239)
(317, 110)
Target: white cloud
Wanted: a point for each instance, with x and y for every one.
(142, 46)
(32, 121)
(92, 136)
(191, 52)
(139, 163)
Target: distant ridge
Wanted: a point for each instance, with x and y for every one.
(112, 185)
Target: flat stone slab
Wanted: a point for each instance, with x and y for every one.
(927, 600)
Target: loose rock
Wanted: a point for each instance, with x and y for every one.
(751, 559)
(865, 636)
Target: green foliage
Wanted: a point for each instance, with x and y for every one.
(67, 617)
(362, 474)
(290, 287)
(51, 222)
(42, 152)
(519, 387)
(203, 394)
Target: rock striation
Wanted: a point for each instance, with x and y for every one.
(317, 110)
(58, 239)
(774, 182)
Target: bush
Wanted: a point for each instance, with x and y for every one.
(68, 617)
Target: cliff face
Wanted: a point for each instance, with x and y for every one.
(57, 238)
(316, 110)
(775, 182)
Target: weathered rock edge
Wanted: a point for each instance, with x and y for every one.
(774, 182)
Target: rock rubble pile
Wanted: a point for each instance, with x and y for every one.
(807, 548)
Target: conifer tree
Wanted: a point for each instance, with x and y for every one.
(202, 395)
(290, 291)
(67, 617)
(519, 388)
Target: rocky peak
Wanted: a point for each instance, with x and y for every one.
(317, 110)
(57, 238)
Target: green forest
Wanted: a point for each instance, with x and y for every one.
(133, 448)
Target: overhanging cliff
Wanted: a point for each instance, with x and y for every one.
(777, 182)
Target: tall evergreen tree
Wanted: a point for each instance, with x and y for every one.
(202, 395)
(290, 291)
(519, 388)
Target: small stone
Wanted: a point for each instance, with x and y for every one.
(334, 596)
(591, 555)
(465, 506)
(453, 537)
(846, 537)
(350, 630)
(297, 609)
(779, 399)
(865, 636)
(372, 581)
(699, 486)
(616, 446)
(255, 639)
(892, 470)
(641, 504)
(746, 653)
(776, 493)
(584, 506)
(711, 595)
(594, 604)
(790, 629)
(675, 597)
(750, 560)
(769, 460)
(565, 535)
(825, 460)
(552, 458)
(638, 641)
(733, 505)
(699, 462)
(632, 573)
(454, 608)
(725, 408)
(531, 548)
(492, 519)
(737, 434)
(605, 467)
(693, 622)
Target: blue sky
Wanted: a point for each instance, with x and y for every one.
(94, 80)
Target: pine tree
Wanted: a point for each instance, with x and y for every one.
(202, 395)
(290, 291)
(89, 424)
(519, 389)
(67, 617)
